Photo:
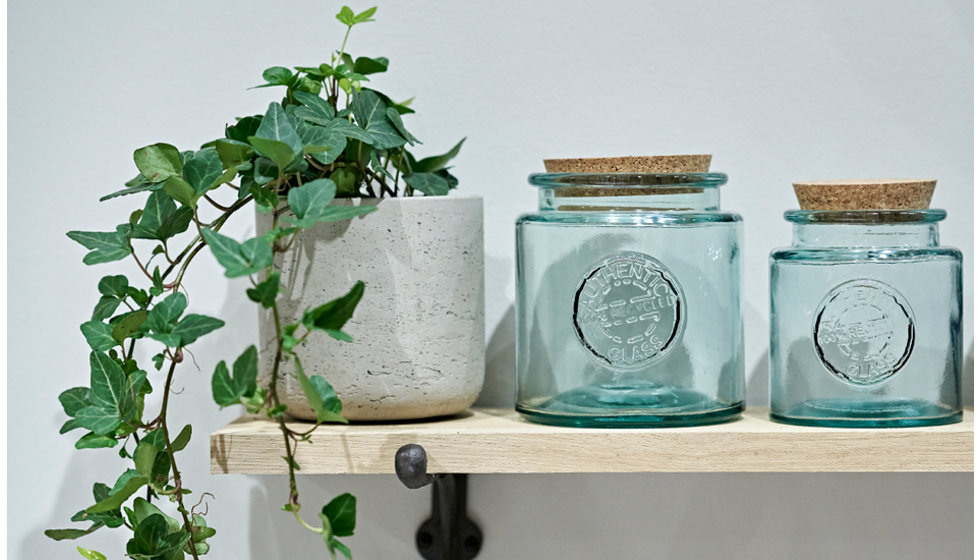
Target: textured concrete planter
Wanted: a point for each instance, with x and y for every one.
(418, 347)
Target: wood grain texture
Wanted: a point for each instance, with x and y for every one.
(498, 441)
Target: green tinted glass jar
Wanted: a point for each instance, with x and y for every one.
(866, 318)
(628, 301)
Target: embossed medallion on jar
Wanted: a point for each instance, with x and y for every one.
(864, 331)
(628, 310)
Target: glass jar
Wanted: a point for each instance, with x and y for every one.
(628, 302)
(866, 321)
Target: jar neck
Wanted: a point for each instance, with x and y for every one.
(866, 235)
(625, 192)
(584, 199)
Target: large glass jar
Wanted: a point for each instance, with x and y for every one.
(628, 302)
(866, 321)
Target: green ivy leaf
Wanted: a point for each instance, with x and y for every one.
(157, 289)
(157, 162)
(114, 285)
(365, 16)
(346, 16)
(337, 545)
(90, 554)
(276, 126)
(74, 399)
(144, 457)
(153, 540)
(228, 390)
(306, 85)
(92, 440)
(343, 126)
(396, 121)
(125, 486)
(311, 204)
(233, 153)
(370, 111)
(266, 291)
(194, 326)
(314, 109)
(309, 201)
(245, 127)
(181, 191)
(239, 259)
(277, 76)
(110, 388)
(325, 146)
(224, 390)
(365, 65)
(203, 170)
(346, 181)
(100, 419)
(110, 519)
(428, 183)
(182, 439)
(159, 206)
(104, 309)
(342, 512)
(201, 529)
(104, 246)
(279, 152)
(71, 534)
(98, 335)
(435, 163)
(69, 425)
(164, 315)
(129, 325)
(333, 315)
(265, 199)
(143, 509)
(139, 296)
(246, 369)
(320, 395)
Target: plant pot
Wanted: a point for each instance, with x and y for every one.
(418, 348)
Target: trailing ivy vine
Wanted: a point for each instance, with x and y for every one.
(292, 162)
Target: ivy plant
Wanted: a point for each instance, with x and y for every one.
(292, 161)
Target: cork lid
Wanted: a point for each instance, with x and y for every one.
(865, 194)
(698, 163)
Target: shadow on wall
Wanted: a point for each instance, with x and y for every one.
(500, 383)
(388, 514)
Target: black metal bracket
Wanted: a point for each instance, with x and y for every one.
(449, 534)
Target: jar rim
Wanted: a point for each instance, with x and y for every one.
(924, 215)
(651, 181)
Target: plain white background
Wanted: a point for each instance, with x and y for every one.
(777, 90)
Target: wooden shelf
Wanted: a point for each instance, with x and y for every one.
(499, 441)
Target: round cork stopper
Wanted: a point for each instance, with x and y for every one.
(631, 164)
(865, 194)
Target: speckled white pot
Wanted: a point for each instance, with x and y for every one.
(418, 332)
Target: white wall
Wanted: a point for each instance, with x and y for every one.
(777, 90)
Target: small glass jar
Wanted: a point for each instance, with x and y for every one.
(866, 329)
(628, 302)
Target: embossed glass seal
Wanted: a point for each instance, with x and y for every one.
(628, 310)
(864, 331)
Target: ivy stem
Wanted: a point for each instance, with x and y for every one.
(340, 53)
(171, 455)
(398, 167)
(215, 204)
(273, 391)
(305, 524)
(143, 268)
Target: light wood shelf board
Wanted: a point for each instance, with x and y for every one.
(499, 441)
